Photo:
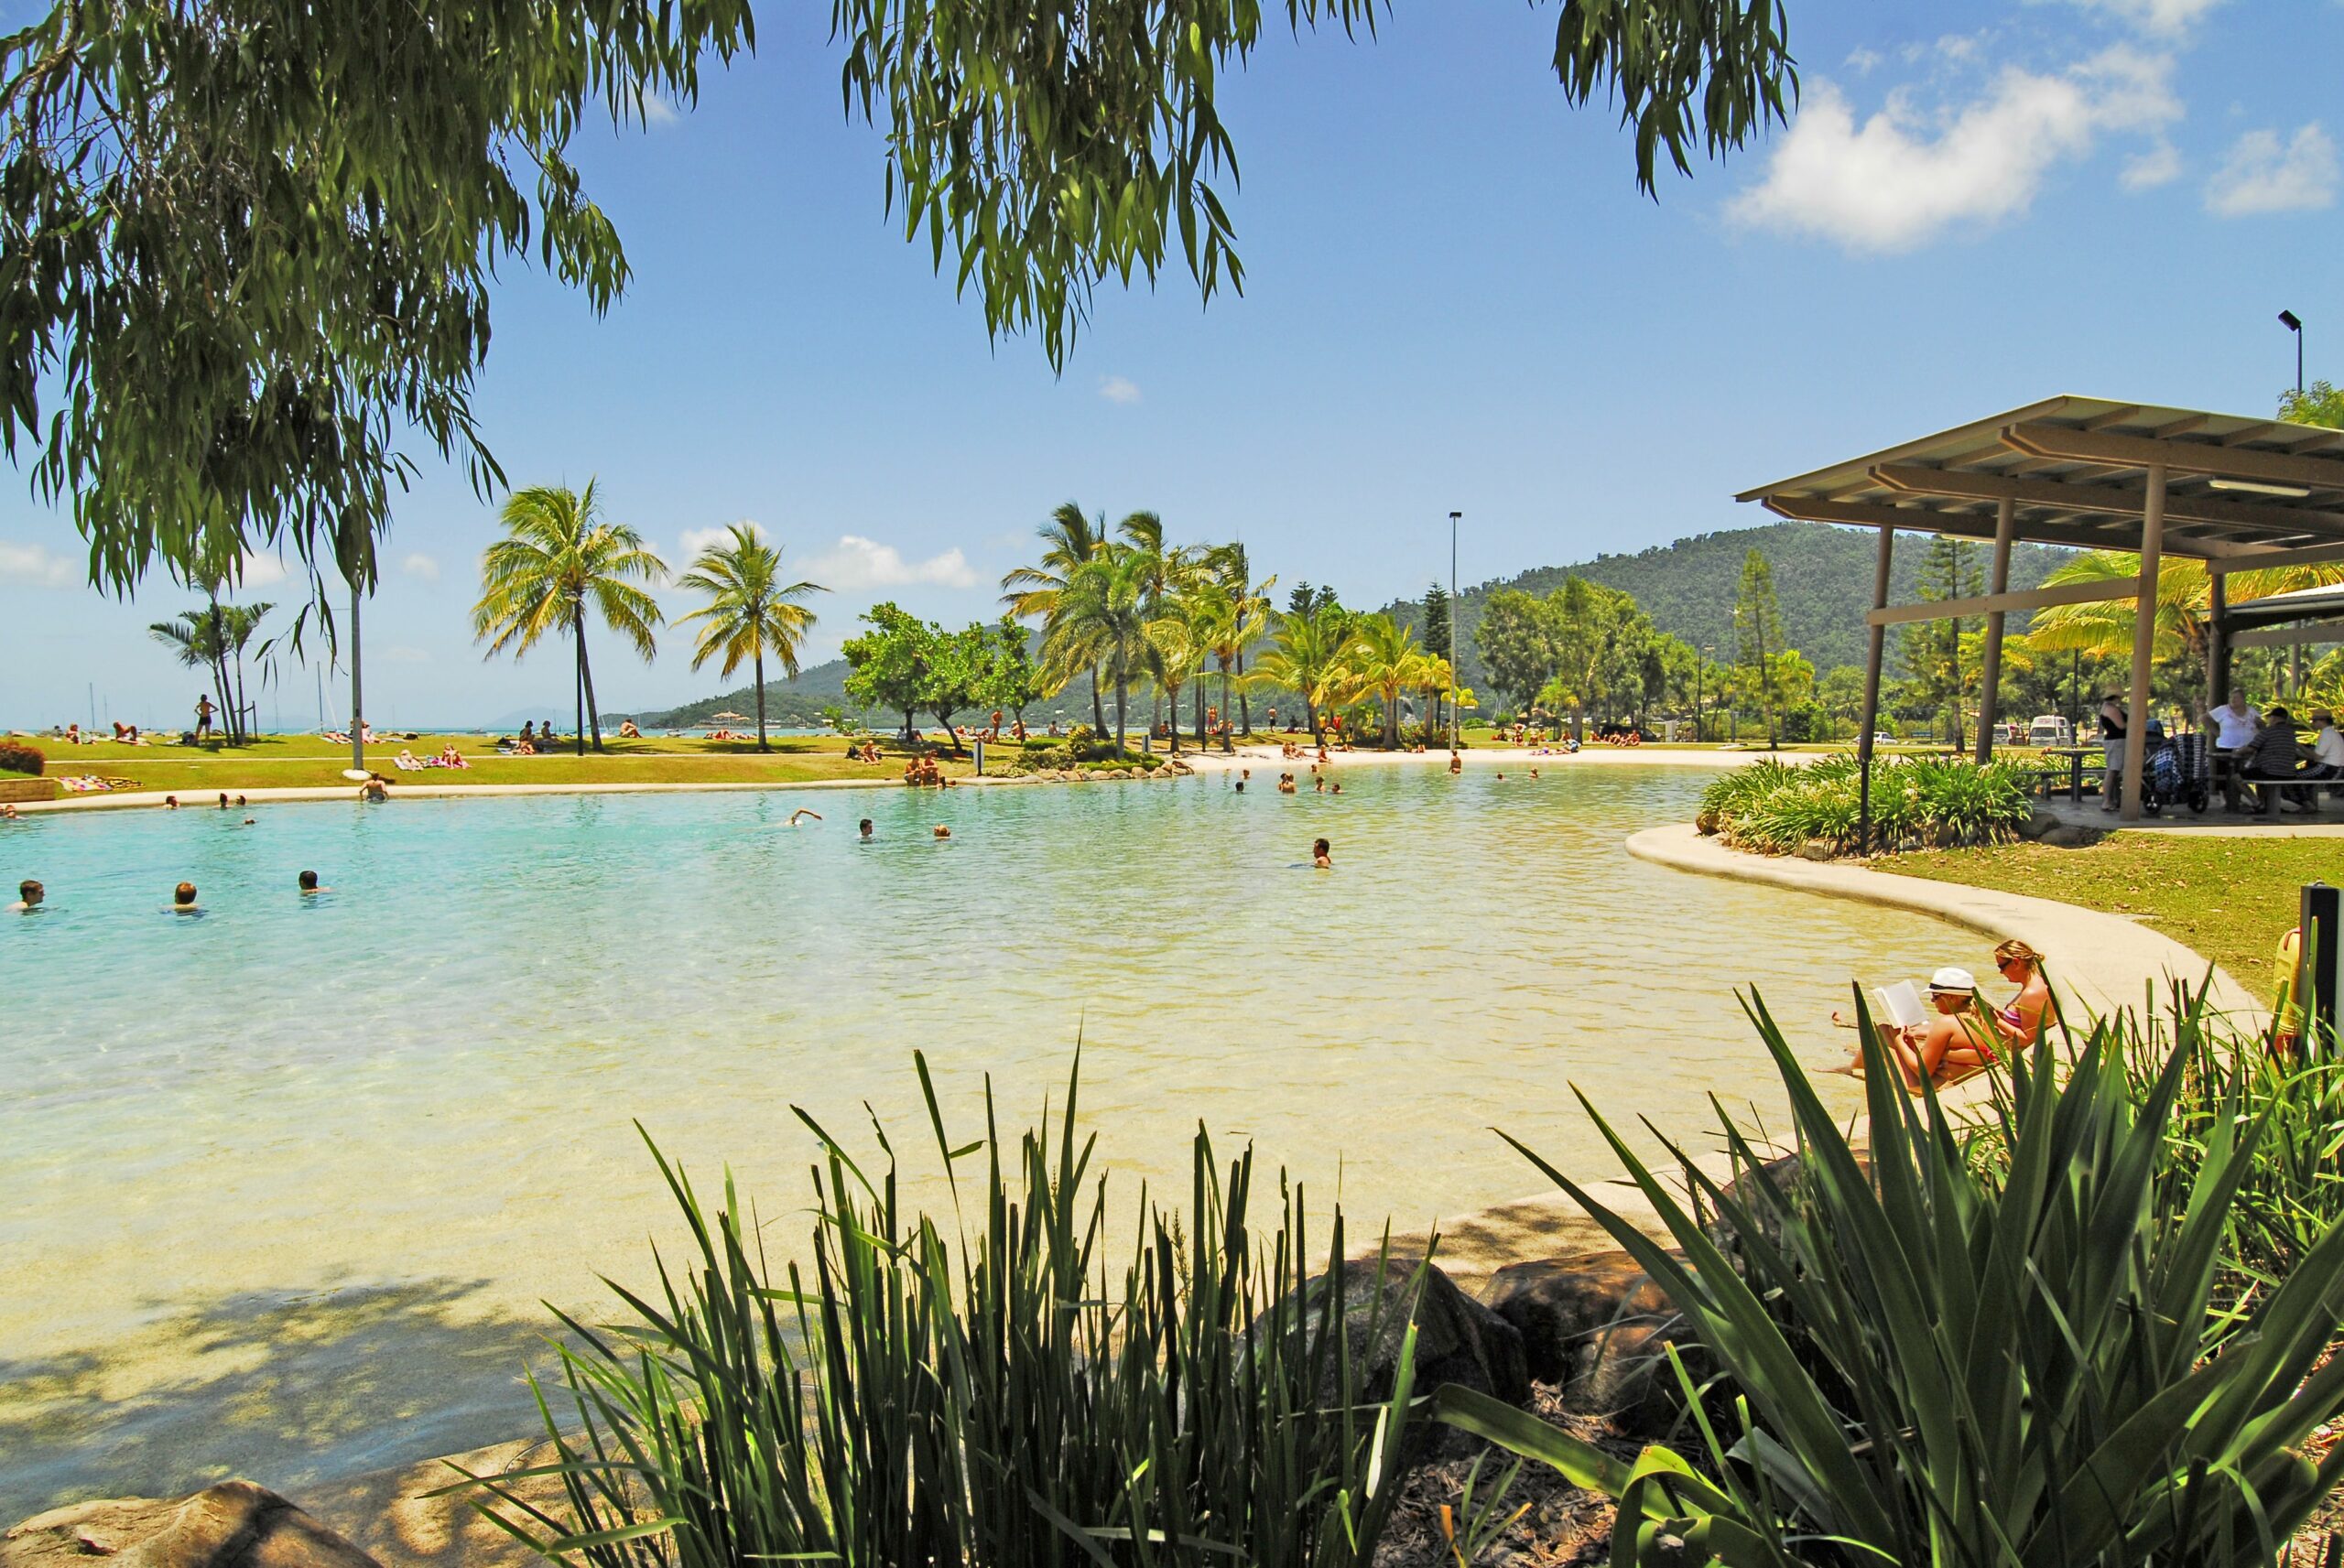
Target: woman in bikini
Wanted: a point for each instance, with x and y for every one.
(2020, 1024)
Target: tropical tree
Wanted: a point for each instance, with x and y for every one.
(196, 639)
(1382, 659)
(749, 610)
(1239, 614)
(559, 563)
(1178, 644)
(888, 664)
(239, 625)
(1011, 678)
(1306, 653)
(1102, 624)
(1516, 636)
(1758, 631)
(1068, 539)
(2103, 627)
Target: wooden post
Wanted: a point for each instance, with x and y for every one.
(2217, 640)
(1876, 635)
(2145, 641)
(1991, 676)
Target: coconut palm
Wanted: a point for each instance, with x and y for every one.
(1241, 613)
(749, 611)
(1163, 571)
(239, 625)
(559, 562)
(196, 639)
(2184, 603)
(1305, 657)
(1102, 625)
(1382, 659)
(1068, 539)
(1177, 644)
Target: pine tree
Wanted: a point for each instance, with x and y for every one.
(1758, 631)
(1437, 643)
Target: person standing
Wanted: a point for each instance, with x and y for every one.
(2111, 742)
(2236, 723)
(203, 711)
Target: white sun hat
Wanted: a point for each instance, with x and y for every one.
(1954, 979)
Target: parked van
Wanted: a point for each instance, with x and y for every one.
(2049, 730)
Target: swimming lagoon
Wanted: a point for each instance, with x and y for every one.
(285, 1183)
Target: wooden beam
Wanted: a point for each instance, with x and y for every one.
(2175, 457)
(2286, 636)
(1998, 603)
(1990, 675)
(2115, 500)
(1974, 525)
(2264, 559)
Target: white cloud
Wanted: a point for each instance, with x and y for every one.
(420, 566)
(260, 571)
(694, 540)
(1118, 389)
(2164, 17)
(1864, 61)
(2262, 174)
(657, 112)
(1905, 176)
(856, 562)
(2161, 164)
(37, 564)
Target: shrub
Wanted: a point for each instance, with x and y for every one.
(1777, 808)
(1030, 1401)
(16, 757)
(1964, 1361)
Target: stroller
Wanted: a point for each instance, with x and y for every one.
(2173, 771)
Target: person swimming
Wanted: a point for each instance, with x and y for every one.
(943, 832)
(308, 883)
(183, 900)
(802, 811)
(28, 896)
(863, 829)
(1322, 855)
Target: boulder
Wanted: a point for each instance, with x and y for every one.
(1599, 1327)
(2068, 836)
(235, 1524)
(1459, 1340)
(2039, 823)
(1817, 850)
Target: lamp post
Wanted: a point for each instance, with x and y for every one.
(1452, 628)
(2295, 323)
(1699, 661)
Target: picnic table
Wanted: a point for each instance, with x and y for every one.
(2074, 755)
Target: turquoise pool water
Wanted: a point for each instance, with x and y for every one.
(284, 1183)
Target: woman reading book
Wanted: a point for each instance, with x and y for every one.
(1947, 1041)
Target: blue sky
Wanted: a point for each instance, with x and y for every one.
(1456, 298)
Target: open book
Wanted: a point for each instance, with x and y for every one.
(1900, 1005)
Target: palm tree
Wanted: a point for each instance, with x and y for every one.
(748, 610)
(1068, 539)
(1382, 659)
(1306, 659)
(1163, 571)
(1177, 641)
(1241, 615)
(2185, 604)
(559, 561)
(239, 623)
(194, 638)
(1101, 624)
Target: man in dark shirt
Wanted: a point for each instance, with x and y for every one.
(2275, 753)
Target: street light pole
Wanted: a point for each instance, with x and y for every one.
(2295, 323)
(1452, 628)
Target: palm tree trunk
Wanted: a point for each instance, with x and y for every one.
(1311, 712)
(1123, 702)
(1244, 703)
(586, 674)
(761, 698)
(578, 686)
(239, 726)
(1098, 714)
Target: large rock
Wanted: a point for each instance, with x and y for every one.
(2038, 822)
(235, 1524)
(1459, 1340)
(1599, 1327)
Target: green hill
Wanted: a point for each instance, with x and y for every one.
(1822, 578)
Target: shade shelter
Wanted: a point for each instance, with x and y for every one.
(2234, 491)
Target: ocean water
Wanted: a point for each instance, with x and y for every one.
(283, 1186)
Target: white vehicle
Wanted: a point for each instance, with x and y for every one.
(2049, 730)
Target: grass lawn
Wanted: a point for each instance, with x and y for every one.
(309, 761)
(2229, 899)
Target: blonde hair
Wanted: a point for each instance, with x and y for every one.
(2016, 951)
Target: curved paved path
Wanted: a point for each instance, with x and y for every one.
(2098, 961)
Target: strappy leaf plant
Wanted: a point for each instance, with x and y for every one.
(2011, 1362)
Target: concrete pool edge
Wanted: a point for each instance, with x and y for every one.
(2098, 961)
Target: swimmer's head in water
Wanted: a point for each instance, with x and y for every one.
(942, 831)
(864, 827)
(308, 880)
(183, 895)
(29, 891)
